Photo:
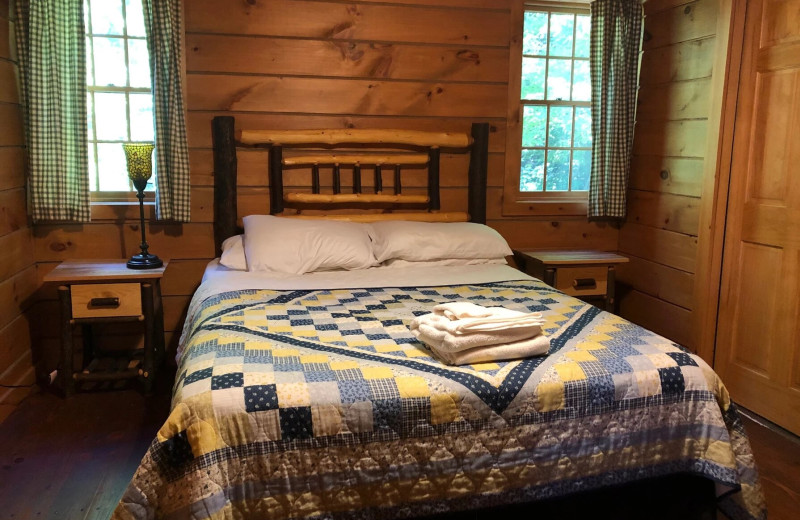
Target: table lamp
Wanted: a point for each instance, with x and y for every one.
(138, 157)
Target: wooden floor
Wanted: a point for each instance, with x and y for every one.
(71, 459)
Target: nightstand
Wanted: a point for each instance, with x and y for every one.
(588, 275)
(106, 291)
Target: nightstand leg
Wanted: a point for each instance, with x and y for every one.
(88, 344)
(66, 368)
(611, 290)
(159, 326)
(147, 309)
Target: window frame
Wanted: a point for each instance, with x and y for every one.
(107, 196)
(516, 202)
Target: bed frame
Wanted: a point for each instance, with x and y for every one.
(354, 149)
(681, 496)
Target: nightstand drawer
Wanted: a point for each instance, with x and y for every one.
(103, 300)
(582, 281)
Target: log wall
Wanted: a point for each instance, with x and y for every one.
(670, 150)
(17, 267)
(283, 64)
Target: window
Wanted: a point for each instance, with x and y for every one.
(120, 101)
(549, 148)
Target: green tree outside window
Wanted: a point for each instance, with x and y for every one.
(555, 98)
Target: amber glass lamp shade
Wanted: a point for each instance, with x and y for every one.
(139, 158)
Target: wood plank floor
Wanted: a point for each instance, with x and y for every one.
(71, 459)
(777, 454)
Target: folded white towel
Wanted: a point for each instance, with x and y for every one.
(469, 317)
(442, 333)
(536, 346)
(458, 310)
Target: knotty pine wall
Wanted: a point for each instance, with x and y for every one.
(17, 267)
(427, 65)
(660, 234)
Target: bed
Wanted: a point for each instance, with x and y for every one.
(306, 396)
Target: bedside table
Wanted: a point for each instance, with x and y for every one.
(584, 274)
(106, 291)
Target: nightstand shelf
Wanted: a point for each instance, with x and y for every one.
(589, 275)
(93, 292)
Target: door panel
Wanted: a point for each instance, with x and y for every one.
(758, 340)
(755, 296)
(774, 92)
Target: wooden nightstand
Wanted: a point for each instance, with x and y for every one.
(106, 291)
(585, 274)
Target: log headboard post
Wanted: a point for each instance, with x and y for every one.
(223, 138)
(275, 179)
(478, 167)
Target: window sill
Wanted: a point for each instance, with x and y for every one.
(542, 206)
(125, 210)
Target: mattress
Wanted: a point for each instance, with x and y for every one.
(308, 397)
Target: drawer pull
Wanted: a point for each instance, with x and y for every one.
(584, 283)
(111, 302)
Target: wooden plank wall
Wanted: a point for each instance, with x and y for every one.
(17, 267)
(660, 234)
(427, 65)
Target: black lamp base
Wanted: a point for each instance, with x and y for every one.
(144, 261)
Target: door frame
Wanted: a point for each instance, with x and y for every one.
(716, 175)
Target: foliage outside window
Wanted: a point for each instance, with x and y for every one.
(551, 144)
(120, 100)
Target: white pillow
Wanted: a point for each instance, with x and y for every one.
(298, 246)
(425, 241)
(232, 255)
(399, 262)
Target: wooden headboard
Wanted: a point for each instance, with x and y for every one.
(377, 150)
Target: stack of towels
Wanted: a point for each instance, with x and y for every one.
(463, 333)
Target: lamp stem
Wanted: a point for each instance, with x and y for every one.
(140, 196)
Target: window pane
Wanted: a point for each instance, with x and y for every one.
(534, 125)
(109, 62)
(533, 78)
(92, 169)
(107, 17)
(113, 172)
(531, 175)
(582, 32)
(89, 112)
(557, 170)
(561, 27)
(558, 79)
(111, 117)
(534, 37)
(89, 69)
(583, 126)
(135, 18)
(582, 87)
(139, 63)
(581, 167)
(560, 131)
(141, 117)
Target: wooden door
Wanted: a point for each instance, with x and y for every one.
(758, 329)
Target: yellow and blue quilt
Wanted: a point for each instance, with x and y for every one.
(321, 403)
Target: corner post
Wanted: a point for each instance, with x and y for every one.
(224, 141)
(478, 167)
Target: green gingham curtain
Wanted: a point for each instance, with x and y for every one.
(52, 68)
(615, 41)
(164, 25)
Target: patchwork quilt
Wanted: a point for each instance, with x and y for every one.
(322, 404)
